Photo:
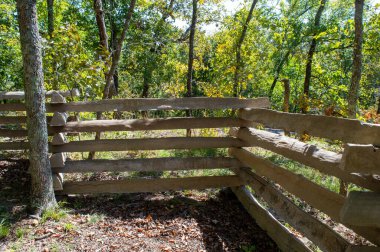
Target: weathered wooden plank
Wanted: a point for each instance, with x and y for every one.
(59, 139)
(284, 239)
(57, 181)
(358, 248)
(149, 185)
(57, 98)
(57, 160)
(149, 144)
(20, 95)
(151, 124)
(346, 130)
(361, 159)
(13, 133)
(14, 146)
(324, 161)
(315, 195)
(22, 119)
(141, 104)
(148, 164)
(59, 119)
(317, 232)
(361, 209)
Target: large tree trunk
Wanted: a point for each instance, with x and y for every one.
(189, 82)
(353, 92)
(239, 44)
(42, 196)
(116, 54)
(310, 55)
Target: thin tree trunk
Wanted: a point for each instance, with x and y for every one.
(50, 9)
(286, 95)
(236, 87)
(353, 92)
(278, 71)
(378, 106)
(189, 82)
(116, 54)
(99, 14)
(42, 195)
(310, 55)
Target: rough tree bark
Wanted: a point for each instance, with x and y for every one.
(42, 195)
(310, 55)
(353, 92)
(116, 54)
(239, 44)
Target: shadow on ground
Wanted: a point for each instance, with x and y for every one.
(211, 220)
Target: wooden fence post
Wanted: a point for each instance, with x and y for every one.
(57, 160)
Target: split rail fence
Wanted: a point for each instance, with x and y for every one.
(359, 164)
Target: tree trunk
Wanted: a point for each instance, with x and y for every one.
(116, 54)
(236, 87)
(42, 196)
(99, 14)
(189, 82)
(286, 95)
(378, 106)
(50, 9)
(353, 92)
(278, 71)
(310, 55)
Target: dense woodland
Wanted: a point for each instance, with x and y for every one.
(170, 50)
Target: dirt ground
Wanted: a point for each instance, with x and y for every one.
(209, 220)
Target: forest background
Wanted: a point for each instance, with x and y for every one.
(154, 56)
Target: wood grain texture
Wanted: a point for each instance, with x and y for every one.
(361, 159)
(20, 95)
(315, 195)
(346, 130)
(327, 162)
(151, 124)
(148, 164)
(361, 209)
(145, 104)
(149, 185)
(319, 233)
(284, 239)
(149, 144)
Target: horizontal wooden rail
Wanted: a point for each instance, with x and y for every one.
(149, 185)
(150, 124)
(361, 159)
(149, 144)
(319, 233)
(315, 195)
(284, 239)
(346, 130)
(14, 146)
(20, 95)
(327, 162)
(150, 164)
(141, 104)
(22, 119)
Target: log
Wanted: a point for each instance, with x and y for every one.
(57, 160)
(151, 164)
(361, 209)
(315, 195)
(59, 119)
(22, 119)
(358, 248)
(58, 139)
(327, 162)
(149, 144)
(13, 133)
(284, 239)
(361, 159)
(151, 124)
(149, 185)
(20, 95)
(346, 130)
(317, 232)
(57, 98)
(14, 146)
(146, 104)
(57, 181)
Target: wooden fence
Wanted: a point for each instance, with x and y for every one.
(359, 163)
